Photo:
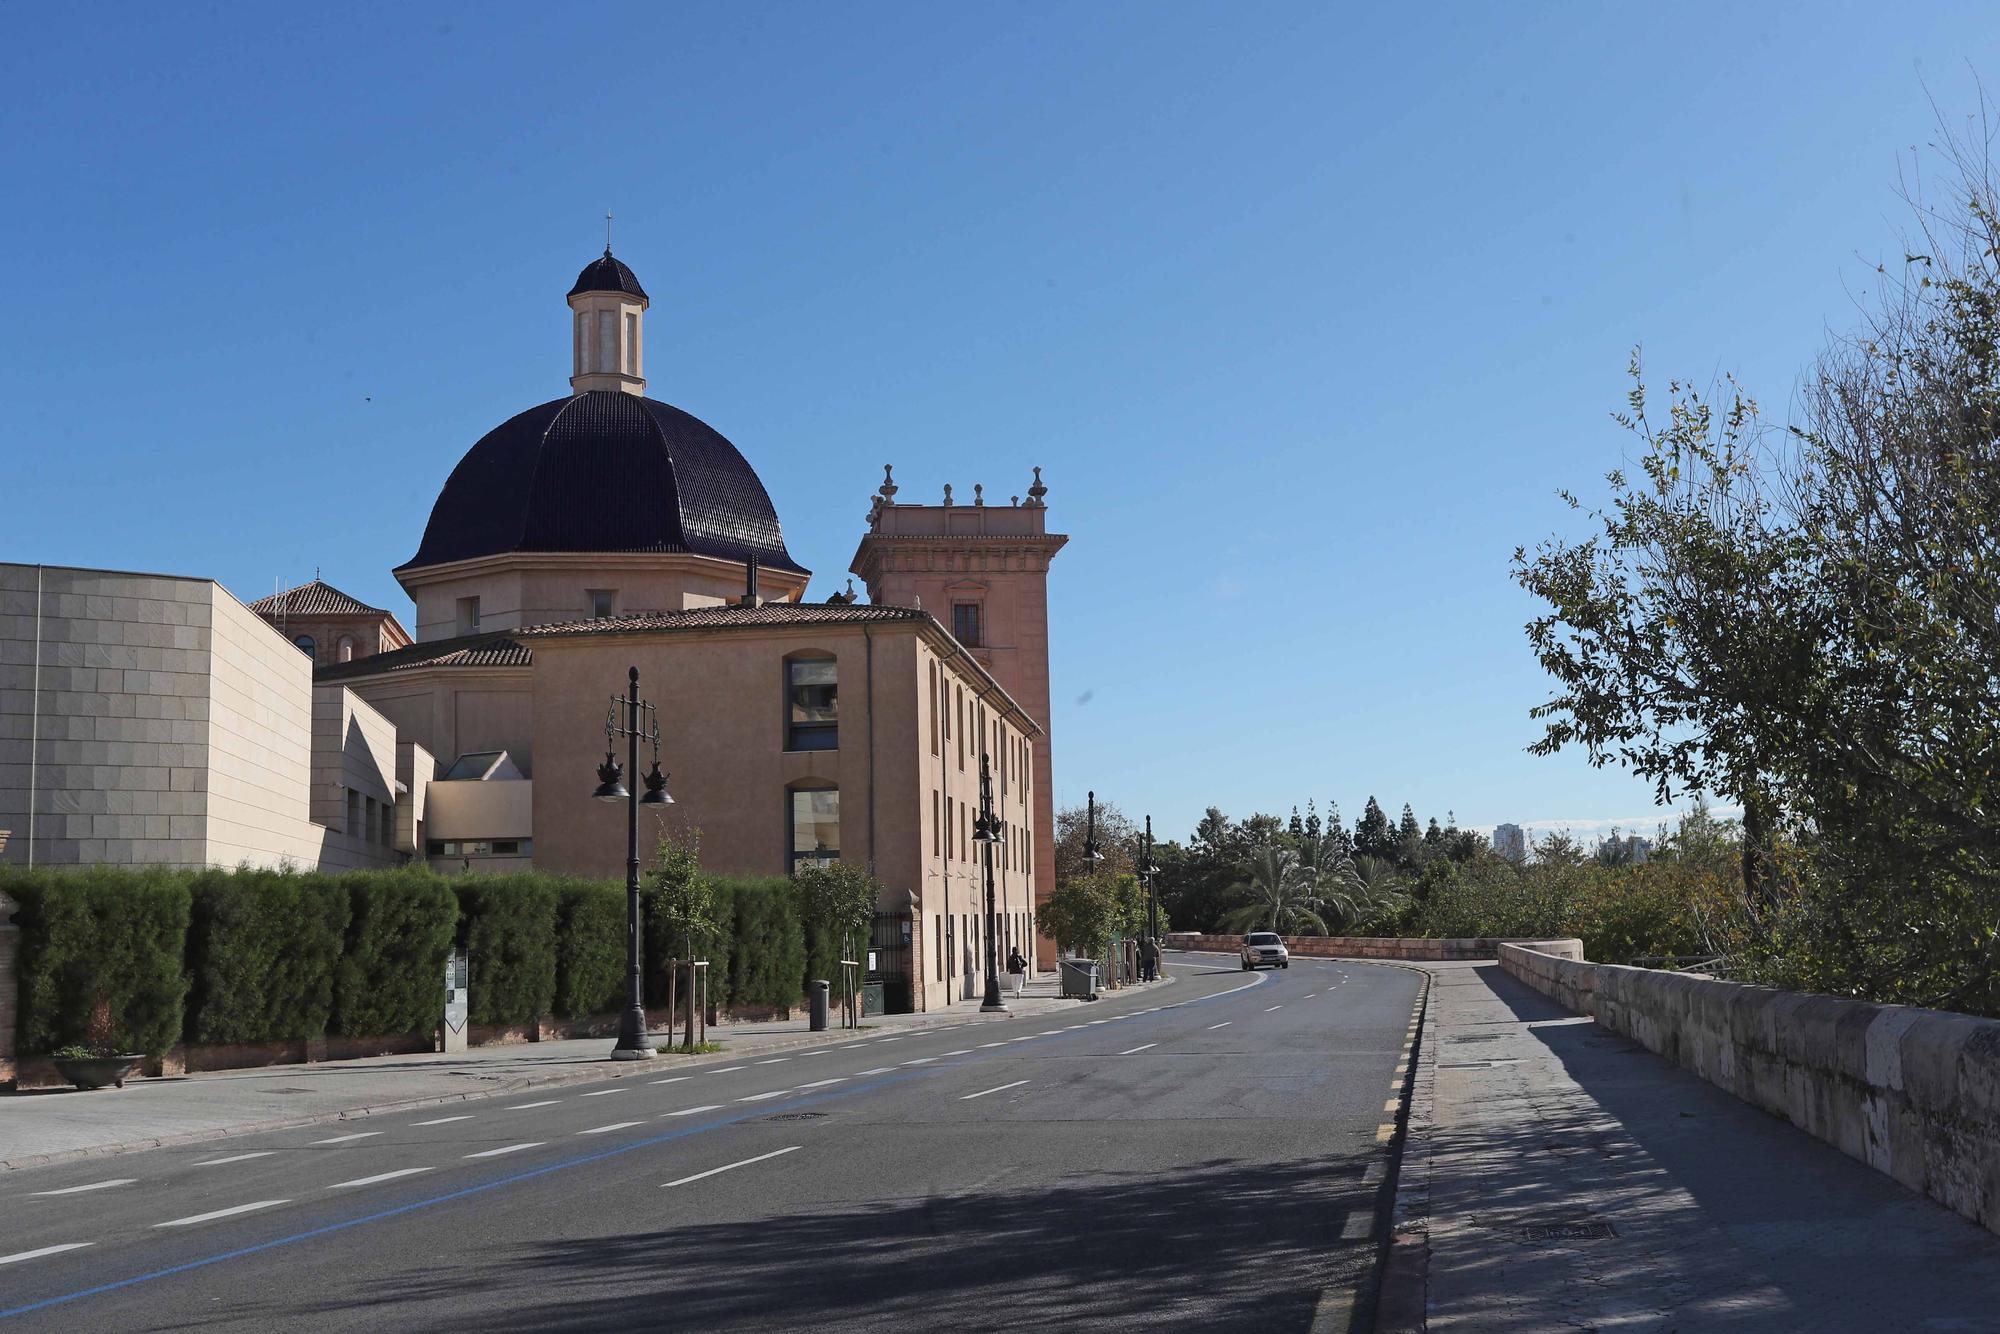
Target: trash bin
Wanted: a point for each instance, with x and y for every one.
(819, 1006)
(1079, 978)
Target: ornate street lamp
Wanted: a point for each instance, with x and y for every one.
(1092, 855)
(634, 1043)
(1146, 873)
(990, 831)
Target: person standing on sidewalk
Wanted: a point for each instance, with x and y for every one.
(1149, 959)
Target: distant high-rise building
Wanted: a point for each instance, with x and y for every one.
(1510, 843)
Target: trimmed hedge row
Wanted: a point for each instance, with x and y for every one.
(264, 956)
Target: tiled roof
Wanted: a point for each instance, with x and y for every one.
(496, 649)
(604, 471)
(605, 274)
(729, 618)
(314, 599)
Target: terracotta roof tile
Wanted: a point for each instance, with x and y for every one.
(314, 599)
(728, 618)
(497, 649)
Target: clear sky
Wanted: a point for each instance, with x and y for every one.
(1305, 310)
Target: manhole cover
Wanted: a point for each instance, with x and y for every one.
(1572, 1231)
(798, 1116)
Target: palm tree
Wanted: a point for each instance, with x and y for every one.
(1282, 897)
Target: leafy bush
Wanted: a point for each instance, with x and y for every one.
(95, 938)
(590, 948)
(391, 974)
(262, 950)
(508, 925)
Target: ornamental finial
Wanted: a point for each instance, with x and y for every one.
(1037, 491)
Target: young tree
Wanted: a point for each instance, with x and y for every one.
(682, 901)
(1078, 916)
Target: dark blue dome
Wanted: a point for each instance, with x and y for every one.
(606, 274)
(604, 471)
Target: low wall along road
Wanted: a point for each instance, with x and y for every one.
(1364, 947)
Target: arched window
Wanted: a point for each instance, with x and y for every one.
(306, 645)
(344, 652)
(814, 817)
(812, 688)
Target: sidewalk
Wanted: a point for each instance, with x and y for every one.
(1570, 1180)
(52, 1125)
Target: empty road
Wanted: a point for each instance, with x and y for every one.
(1211, 1153)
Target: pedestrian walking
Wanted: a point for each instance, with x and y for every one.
(1149, 960)
(1017, 969)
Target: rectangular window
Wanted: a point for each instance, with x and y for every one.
(601, 600)
(815, 826)
(960, 693)
(934, 709)
(631, 344)
(468, 616)
(937, 825)
(812, 723)
(607, 340)
(965, 623)
(939, 930)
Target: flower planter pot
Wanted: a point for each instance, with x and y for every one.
(97, 1071)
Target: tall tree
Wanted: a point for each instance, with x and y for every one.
(1409, 838)
(1373, 836)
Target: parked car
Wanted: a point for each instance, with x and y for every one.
(1265, 949)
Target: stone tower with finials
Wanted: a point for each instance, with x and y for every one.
(982, 570)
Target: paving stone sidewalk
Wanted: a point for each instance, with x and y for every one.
(44, 1126)
(1571, 1180)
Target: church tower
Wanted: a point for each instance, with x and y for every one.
(982, 571)
(609, 310)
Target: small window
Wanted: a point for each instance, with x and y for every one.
(306, 645)
(631, 344)
(965, 623)
(815, 818)
(812, 688)
(435, 847)
(600, 602)
(468, 616)
(345, 650)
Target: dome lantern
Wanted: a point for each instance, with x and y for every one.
(608, 328)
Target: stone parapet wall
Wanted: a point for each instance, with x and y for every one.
(1413, 950)
(1912, 1093)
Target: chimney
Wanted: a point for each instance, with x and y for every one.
(750, 597)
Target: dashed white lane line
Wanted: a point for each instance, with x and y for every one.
(690, 1111)
(615, 1125)
(775, 1060)
(878, 1070)
(759, 1097)
(676, 1079)
(728, 1070)
(1136, 1050)
(1269, 1008)
(1001, 1089)
(378, 1177)
(1311, 994)
(349, 1139)
(95, 1185)
(524, 1106)
(442, 1121)
(985, 1045)
(731, 1167)
(1224, 1024)
(822, 1083)
(891, 1039)
(191, 1220)
(19, 1256)
(1095, 1022)
(603, 1093)
(962, 1051)
(1360, 1227)
(507, 1148)
(921, 1060)
(235, 1158)
(1048, 1032)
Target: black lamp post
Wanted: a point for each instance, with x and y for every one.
(988, 830)
(1091, 853)
(1147, 871)
(634, 1043)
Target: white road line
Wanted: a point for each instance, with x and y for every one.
(615, 1125)
(349, 1139)
(1025, 1037)
(221, 1213)
(921, 1060)
(677, 1079)
(822, 1083)
(604, 1093)
(1095, 1022)
(378, 1177)
(728, 1070)
(441, 1121)
(524, 1106)
(962, 1051)
(1048, 1032)
(821, 1052)
(1224, 1024)
(508, 1148)
(1002, 1089)
(1136, 1050)
(891, 1039)
(1269, 1008)
(95, 1185)
(775, 1060)
(19, 1256)
(730, 1167)
(985, 1045)
(1311, 994)
(1360, 1227)
(235, 1158)
(690, 1111)
(878, 1070)
(759, 1097)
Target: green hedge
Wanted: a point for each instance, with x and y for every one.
(590, 949)
(507, 924)
(767, 958)
(391, 973)
(100, 934)
(262, 949)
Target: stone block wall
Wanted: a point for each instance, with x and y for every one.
(260, 743)
(1370, 947)
(1913, 1093)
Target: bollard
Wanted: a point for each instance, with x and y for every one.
(819, 1006)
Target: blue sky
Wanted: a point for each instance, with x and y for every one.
(1306, 311)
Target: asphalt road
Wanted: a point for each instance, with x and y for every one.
(1210, 1154)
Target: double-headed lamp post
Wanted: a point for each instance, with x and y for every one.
(990, 831)
(1092, 855)
(1146, 872)
(634, 1043)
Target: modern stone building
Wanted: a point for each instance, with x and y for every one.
(593, 533)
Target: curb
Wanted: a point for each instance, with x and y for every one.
(591, 1074)
(1403, 1296)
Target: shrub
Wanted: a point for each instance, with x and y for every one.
(590, 948)
(767, 958)
(391, 974)
(508, 925)
(262, 950)
(95, 938)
